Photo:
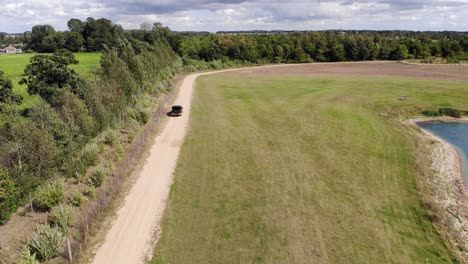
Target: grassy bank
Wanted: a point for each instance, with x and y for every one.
(302, 170)
(14, 64)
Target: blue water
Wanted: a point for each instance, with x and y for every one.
(457, 134)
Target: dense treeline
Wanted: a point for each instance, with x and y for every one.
(267, 47)
(319, 46)
(90, 35)
(50, 139)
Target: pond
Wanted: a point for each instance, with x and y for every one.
(456, 133)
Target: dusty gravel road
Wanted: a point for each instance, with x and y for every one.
(129, 239)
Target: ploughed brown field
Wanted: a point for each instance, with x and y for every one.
(455, 72)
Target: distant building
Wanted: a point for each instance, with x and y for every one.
(11, 50)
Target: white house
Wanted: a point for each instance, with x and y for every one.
(10, 49)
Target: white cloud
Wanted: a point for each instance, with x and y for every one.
(213, 15)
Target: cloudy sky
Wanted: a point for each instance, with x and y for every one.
(215, 15)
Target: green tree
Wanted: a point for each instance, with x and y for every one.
(337, 53)
(6, 91)
(400, 52)
(47, 75)
(38, 34)
(73, 41)
(52, 42)
(75, 25)
(7, 185)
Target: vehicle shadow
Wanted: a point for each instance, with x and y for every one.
(170, 114)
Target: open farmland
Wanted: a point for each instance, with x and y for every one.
(303, 169)
(13, 66)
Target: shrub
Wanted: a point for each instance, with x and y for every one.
(450, 112)
(49, 195)
(9, 195)
(90, 154)
(78, 199)
(110, 136)
(143, 116)
(134, 124)
(431, 112)
(26, 257)
(119, 152)
(47, 242)
(131, 136)
(91, 192)
(62, 217)
(78, 175)
(97, 177)
(190, 68)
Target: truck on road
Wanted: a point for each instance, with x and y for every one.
(175, 111)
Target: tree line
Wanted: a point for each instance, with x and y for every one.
(51, 138)
(256, 47)
(324, 46)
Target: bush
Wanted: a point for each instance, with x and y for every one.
(78, 199)
(27, 258)
(190, 68)
(97, 177)
(110, 136)
(91, 192)
(90, 154)
(62, 217)
(9, 195)
(49, 195)
(131, 136)
(47, 242)
(431, 112)
(119, 152)
(450, 112)
(134, 124)
(143, 116)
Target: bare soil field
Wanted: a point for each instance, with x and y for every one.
(364, 69)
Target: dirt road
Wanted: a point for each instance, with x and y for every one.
(129, 239)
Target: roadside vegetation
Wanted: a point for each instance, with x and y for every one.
(304, 170)
(65, 131)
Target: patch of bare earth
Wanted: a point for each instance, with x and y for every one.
(454, 72)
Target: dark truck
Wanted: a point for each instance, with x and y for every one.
(175, 111)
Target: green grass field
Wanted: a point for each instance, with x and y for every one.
(302, 170)
(14, 64)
